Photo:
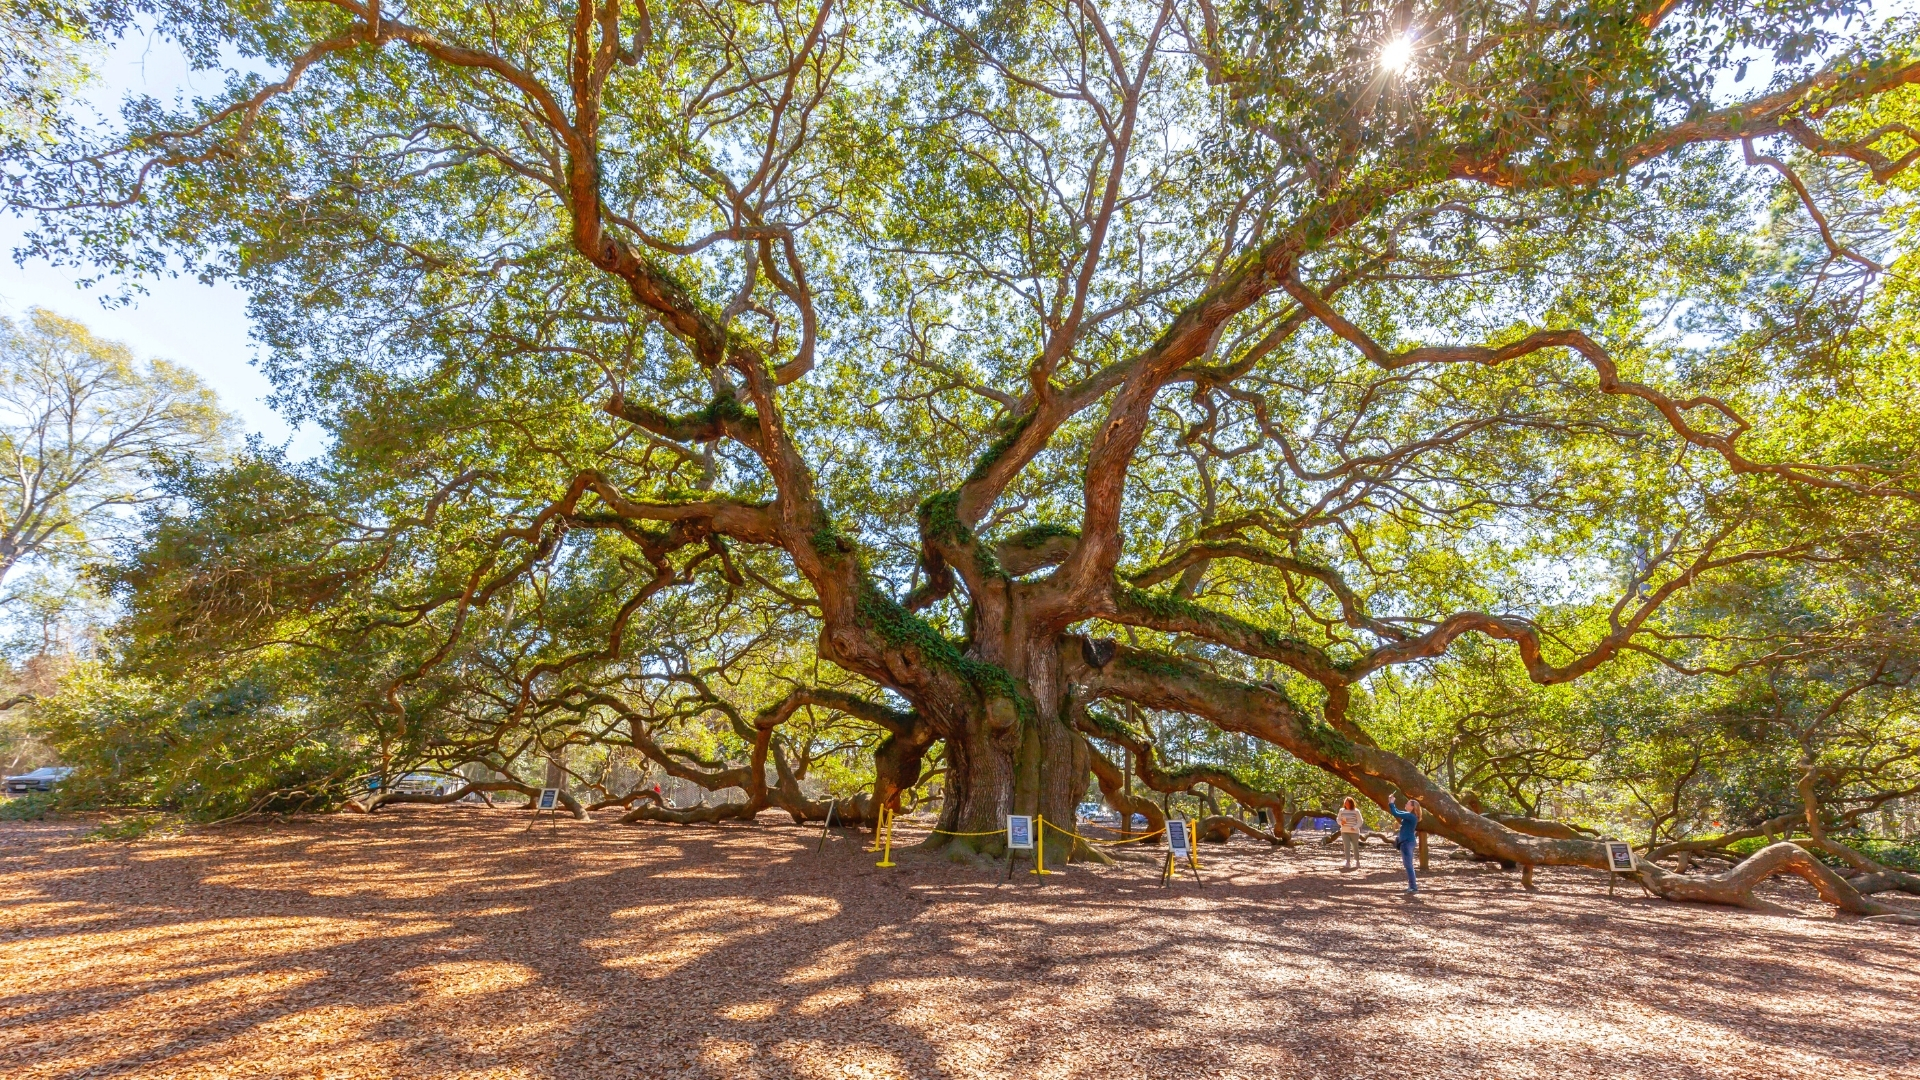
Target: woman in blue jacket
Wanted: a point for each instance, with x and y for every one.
(1409, 835)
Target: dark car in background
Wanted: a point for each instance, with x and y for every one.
(37, 780)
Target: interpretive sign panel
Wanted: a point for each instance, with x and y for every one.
(1620, 856)
(1019, 832)
(1179, 840)
(549, 798)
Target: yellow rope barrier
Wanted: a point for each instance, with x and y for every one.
(949, 832)
(1040, 819)
(1056, 825)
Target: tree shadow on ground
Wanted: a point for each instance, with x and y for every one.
(437, 942)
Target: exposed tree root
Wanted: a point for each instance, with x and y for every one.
(1902, 920)
(992, 845)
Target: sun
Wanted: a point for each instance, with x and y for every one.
(1395, 55)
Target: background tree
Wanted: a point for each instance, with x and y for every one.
(45, 46)
(1049, 370)
(81, 426)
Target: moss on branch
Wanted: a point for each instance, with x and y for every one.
(1112, 728)
(1034, 536)
(1322, 737)
(1178, 611)
(701, 425)
(902, 629)
(829, 541)
(940, 523)
(999, 447)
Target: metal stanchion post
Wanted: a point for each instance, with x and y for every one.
(886, 856)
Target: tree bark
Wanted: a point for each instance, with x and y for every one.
(1736, 885)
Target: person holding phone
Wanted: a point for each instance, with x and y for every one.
(1409, 836)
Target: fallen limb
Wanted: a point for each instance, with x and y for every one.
(1887, 880)
(693, 815)
(1216, 828)
(1736, 886)
(378, 799)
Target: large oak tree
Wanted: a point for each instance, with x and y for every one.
(1004, 375)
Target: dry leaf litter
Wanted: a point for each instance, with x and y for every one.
(453, 942)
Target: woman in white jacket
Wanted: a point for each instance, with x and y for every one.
(1350, 822)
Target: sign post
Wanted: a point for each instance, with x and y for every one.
(548, 802)
(1039, 846)
(1180, 846)
(1619, 861)
(1019, 838)
(824, 829)
(886, 824)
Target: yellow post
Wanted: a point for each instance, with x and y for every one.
(886, 858)
(1039, 846)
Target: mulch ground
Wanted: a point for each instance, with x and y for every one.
(452, 942)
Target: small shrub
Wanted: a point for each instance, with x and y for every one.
(33, 807)
(1898, 854)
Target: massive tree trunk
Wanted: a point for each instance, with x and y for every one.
(1013, 753)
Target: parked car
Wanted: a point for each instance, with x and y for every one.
(37, 780)
(419, 783)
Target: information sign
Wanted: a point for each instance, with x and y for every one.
(549, 798)
(1019, 832)
(1178, 840)
(1619, 856)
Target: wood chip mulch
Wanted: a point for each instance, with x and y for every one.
(444, 942)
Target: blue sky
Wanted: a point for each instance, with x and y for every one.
(204, 327)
